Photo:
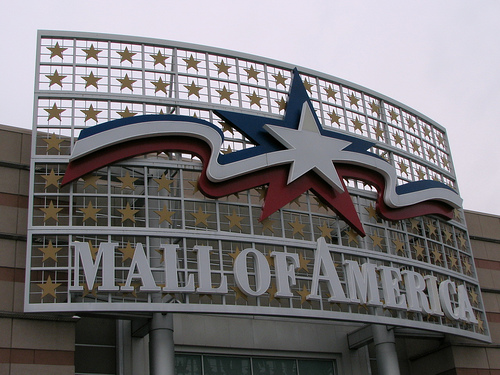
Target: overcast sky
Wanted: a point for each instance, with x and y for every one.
(439, 57)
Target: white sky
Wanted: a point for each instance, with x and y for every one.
(440, 57)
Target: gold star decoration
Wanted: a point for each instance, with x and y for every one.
(160, 85)
(375, 108)
(222, 68)
(447, 235)
(400, 246)
(91, 80)
(226, 127)
(437, 255)
(474, 296)
(192, 63)
(200, 216)
(358, 125)
(420, 250)
(394, 115)
(86, 290)
(330, 92)
(421, 174)
(453, 261)
(280, 79)
(227, 151)
(239, 293)
(297, 227)
(468, 269)
(267, 224)
(235, 254)
(90, 180)
(372, 212)
(353, 100)
(303, 263)
(398, 139)
(411, 123)
(92, 53)
(308, 86)
(55, 78)
(377, 240)
(431, 228)
(262, 192)
(379, 132)
(50, 212)
(252, 73)
(126, 113)
(234, 220)
(57, 50)
(272, 291)
(281, 104)
(415, 146)
(49, 252)
(90, 212)
(445, 162)
(403, 167)
(334, 118)
(49, 287)
(480, 324)
(127, 252)
(54, 112)
(303, 294)
(462, 241)
(128, 213)
(414, 224)
(427, 131)
(352, 236)
(126, 55)
(325, 231)
(90, 113)
(51, 179)
(225, 94)
(255, 99)
(165, 215)
(320, 203)
(194, 184)
(159, 58)
(431, 154)
(53, 142)
(127, 181)
(126, 82)
(163, 183)
(440, 139)
(193, 89)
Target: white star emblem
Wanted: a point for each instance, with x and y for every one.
(308, 150)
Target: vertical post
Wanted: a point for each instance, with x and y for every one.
(385, 350)
(161, 345)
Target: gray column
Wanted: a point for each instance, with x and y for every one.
(161, 345)
(385, 350)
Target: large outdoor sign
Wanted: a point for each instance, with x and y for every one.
(246, 187)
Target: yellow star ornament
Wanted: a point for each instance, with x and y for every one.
(50, 212)
(49, 287)
(49, 252)
(51, 179)
(128, 213)
(57, 50)
(90, 212)
(55, 78)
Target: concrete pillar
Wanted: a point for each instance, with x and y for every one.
(385, 350)
(161, 345)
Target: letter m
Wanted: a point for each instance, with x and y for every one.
(90, 267)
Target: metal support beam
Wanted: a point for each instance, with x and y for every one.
(161, 345)
(385, 350)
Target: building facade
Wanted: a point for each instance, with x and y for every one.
(179, 202)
